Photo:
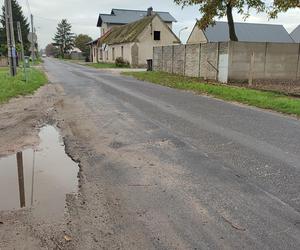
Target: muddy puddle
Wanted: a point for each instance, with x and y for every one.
(39, 178)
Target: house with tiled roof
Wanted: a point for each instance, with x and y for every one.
(134, 42)
(119, 17)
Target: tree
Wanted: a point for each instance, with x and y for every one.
(18, 16)
(81, 43)
(212, 9)
(64, 38)
(283, 6)
(51, 50)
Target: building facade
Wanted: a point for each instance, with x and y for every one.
(134, 42)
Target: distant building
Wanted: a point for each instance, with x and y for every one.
(119, 17)
(296, 34)
(246, 32)
(134, 41)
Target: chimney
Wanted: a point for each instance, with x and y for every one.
(149, 11)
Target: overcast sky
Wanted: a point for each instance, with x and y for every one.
(83, 15)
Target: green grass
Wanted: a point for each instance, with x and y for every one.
(103, 65)
(15, 86)
(262, 99)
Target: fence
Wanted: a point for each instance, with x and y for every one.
(3, 61)
(231, 61)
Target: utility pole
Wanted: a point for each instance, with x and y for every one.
(32, 39)
(11, 45)
(20, 38)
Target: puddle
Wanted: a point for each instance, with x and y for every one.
(39, 178)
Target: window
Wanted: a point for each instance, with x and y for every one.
(157, 35)
(113, 54)
(106, 55)
(122, 51)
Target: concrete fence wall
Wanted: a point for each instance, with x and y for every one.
(231, 61)
(3, 61)
(276, 62)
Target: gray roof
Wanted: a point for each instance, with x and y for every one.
(249, 32)
(296, 34)
(122, 16)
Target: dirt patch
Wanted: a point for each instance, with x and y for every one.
(21, 117)
(20, 121)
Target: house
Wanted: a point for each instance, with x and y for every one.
(76, 54)
(119, 17)
(296, 34)
(246, 32)
(94, 50)
(134, 42)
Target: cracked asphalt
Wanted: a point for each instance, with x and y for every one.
(174, 170)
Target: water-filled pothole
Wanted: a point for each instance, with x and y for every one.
(39, 178)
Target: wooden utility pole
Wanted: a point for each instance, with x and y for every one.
(32, 39)
(21, 179)
(20, 39)
(11, 45)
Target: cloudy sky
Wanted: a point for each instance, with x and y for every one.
(83, 15)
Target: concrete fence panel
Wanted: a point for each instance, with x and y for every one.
(281, 61)
(232, 62)
(209, 61)
(240, 60)
(223, 62)
(179, 59)
(158, 58)
(3, 61)
(168, 59)
(192, 60)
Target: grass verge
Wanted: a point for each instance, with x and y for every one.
(261, 99)
(104, 65)
(15, 86)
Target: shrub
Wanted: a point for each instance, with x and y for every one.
(121, 63)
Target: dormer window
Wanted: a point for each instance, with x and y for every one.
(156, 35)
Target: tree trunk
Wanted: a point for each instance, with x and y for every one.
(232, 34)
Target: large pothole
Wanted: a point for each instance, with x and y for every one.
(39, 178)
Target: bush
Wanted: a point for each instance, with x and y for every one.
(121, 63)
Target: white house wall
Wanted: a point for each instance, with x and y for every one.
(197, 36)
(147, 42)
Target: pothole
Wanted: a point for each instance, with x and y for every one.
(39, 178)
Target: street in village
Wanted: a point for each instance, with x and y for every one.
(158, 168)
(149, 125)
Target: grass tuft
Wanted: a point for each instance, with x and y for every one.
(16, 86)
(262, 99)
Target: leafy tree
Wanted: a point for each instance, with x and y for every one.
(283, 6)
(18, 16)
(81, 43)
(51, 50)
(212, 9)
(64, 38)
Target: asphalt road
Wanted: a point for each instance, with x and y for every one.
(227, 176)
